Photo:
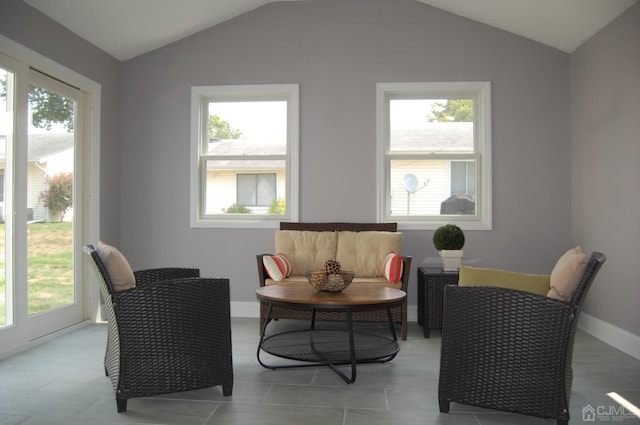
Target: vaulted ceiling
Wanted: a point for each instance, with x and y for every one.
(128, 28)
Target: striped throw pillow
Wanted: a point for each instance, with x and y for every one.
(277, 266)
(393, 267)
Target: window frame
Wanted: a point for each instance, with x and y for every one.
(480, 92)
(200, 97)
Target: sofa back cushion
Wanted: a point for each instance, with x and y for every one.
(364, 252)
(306, 250)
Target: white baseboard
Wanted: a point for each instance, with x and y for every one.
(616, 337)
(252, 309)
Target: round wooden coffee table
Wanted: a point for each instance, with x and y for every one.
(334, 346)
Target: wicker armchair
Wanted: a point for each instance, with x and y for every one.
(510, 350)
(170, 333)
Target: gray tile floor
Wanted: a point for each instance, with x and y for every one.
(62, 382)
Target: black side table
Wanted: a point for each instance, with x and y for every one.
(431, 283)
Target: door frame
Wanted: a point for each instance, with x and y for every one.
(14, 338)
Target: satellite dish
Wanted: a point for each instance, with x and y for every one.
(410, 182)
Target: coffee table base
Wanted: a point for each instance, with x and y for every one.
(329, 347)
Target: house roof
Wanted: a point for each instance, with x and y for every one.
(244, 147)
(42, 145)
(430, 137)
(434, 137)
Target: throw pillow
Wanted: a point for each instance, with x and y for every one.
(567, 273)
(534, 283)
(117, 266)
(277, 266)
(393, 267)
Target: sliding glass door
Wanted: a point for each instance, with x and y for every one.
(42, 146)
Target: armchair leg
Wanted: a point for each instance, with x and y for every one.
(227, 389)
(444, 405)
(122, 404)
(562, 422)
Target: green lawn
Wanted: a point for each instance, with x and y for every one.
(50, 267)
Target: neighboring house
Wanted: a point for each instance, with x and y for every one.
(255, 184)
(252, 183)
(437, 179)
(48, 154)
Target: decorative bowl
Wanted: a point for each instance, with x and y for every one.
(334, 282)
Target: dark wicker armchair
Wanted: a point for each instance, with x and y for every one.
(510, 350)
(170, 333)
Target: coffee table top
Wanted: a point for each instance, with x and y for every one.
(353, 296)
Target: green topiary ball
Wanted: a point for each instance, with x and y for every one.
(448, 237)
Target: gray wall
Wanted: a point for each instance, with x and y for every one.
(337, 51)
(30, 28)
(605, 143)
(565, 132)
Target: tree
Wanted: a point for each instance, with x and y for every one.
(46, 107)
(59, 197)
(453, 110)
(221, 129)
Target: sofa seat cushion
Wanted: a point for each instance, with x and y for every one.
(535, 283)
(306, 250)
(357, 281)
(364, 253)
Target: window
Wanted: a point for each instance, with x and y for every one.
(463, 178)
(244, 155)
(434, 154)
(256, 190)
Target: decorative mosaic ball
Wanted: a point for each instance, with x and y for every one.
(332, 267)
(318, 272)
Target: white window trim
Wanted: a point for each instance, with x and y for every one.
(200, 94)
(481, 92)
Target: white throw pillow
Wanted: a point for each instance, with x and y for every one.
(567, 273)
(117, 266)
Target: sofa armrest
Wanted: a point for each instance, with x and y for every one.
(262, 275)
(406, 272)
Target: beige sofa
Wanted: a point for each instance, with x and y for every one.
(358, 247)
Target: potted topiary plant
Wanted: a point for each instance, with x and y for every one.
(449, 240)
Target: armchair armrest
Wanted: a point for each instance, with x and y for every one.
(144, 277)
